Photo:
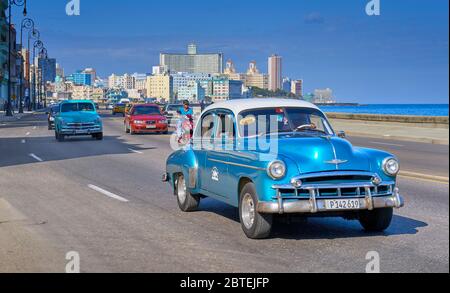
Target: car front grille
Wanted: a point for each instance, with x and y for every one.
(336, 185)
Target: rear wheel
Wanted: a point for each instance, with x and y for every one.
(186, 201)
(254, 224)
(377, 220)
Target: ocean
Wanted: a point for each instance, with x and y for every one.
(392, 109)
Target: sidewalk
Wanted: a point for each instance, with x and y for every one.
(15, 117)
(392, 130)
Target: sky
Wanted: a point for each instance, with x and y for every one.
(401, 56)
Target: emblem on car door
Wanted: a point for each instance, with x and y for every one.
(215, 174)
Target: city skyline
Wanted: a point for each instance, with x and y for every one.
(398, 57)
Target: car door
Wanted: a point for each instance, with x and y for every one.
(203, 139)
(219, 181)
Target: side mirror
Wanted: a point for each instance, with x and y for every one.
(342, 134)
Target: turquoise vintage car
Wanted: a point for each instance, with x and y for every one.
(273, 156)
(78, 117)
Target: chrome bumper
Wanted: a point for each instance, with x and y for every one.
(315, 205)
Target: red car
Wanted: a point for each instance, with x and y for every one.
(146, 118)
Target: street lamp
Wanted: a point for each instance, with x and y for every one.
(35, 35)
(27, 23)
(43, 54)
(10, 4)
(37, 45)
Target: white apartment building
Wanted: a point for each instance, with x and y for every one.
(182, 79)
(125, 81)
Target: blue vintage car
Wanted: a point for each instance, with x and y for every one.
(78, 117)
(273, 156)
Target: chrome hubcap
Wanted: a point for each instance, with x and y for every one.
(248, 211)
(181, 189)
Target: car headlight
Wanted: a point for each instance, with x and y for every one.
(52, 119)
(391, 166)
(276, 169)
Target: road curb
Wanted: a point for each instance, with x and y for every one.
(401, 138)
(424, 176)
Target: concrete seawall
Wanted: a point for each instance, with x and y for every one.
(405, 128)
(420, 121)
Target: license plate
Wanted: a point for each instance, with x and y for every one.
(343, 204)
(151, 126)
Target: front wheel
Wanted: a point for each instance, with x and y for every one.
(254, 224)
(59, 137)
(377, 220)
(98, 136)
(186, 201)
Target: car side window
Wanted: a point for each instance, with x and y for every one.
(225, 128)
(207, 126)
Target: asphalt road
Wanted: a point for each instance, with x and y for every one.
(105, 201)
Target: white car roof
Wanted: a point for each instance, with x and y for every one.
(237, 106)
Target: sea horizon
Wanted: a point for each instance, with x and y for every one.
(439, 110)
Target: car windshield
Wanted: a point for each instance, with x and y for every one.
(146, 111)
(259, 122)
(77, 107)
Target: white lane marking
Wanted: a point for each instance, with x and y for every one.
(135, 151)
(36, 157)
(388, 144)
(107, 193)
(28, 133)
(23, 141)
(34, 127)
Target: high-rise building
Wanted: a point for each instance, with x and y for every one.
(160, 87)
(59, 70)
(92, 73)
(160, 69)
(48, 67)
(80, 78)
(226, 89)
(182, 79)
(324, 96)
(275, 73)
(125, 81)
(193, 62)
(287, 85)
(254, 78)
(297, 88)
(231, 73)
(193, 92)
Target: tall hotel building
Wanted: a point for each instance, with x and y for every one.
(192, 62)
(275, 73)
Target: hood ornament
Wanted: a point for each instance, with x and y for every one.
(336, 162)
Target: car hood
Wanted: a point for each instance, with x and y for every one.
(79, 116)
(321, 154)
(148, 117)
